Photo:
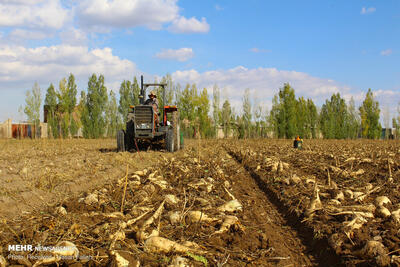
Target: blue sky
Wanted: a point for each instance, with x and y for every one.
(319, 47)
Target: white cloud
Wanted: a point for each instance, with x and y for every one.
(73, 36)
(218, 8)
(21, 34)
(20, 66)
(21, 2)
(367, 10)
(386, 52)
(259, 50)
(126, 13)
(182, 54)
(33, 14)
(263, 82)
(192, 25)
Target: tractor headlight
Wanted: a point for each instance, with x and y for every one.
(143, 126)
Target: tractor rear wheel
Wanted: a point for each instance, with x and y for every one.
(121, 141)
(169, 140)
(130, 132)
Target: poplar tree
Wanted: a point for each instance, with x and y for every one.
(112, 116)
(353, 120)
(274, 116)
(136, 92)
(126, 98)
(369, 113)
(257, 112)
(302, 118)
(169, 89)
(226, 114)
(63, 102)
(246, 117)
(84, 116)
(333, 118)
(72, 101)
(283, 113)
(52, 118)
(216, 108)
(96, 103)
(203, 108)
(33, 102)
(312, 118)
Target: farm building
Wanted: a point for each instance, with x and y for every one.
(8, 129)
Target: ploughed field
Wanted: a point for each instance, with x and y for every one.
(215, 203)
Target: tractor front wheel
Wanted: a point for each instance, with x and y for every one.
(121, 141)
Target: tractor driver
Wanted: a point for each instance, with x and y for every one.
(153, 101)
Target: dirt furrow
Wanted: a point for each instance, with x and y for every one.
(317, 252)
(261, 213)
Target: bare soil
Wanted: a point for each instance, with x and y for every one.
(109, 204)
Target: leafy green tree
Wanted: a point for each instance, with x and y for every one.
(226, 116)
(312, 118)
(257, 112)
(369, 113)
(274, 116)
(216, 108)
(288, 115)
(96, 103)
(126, 98)
(52, 118)
(333, 118)
(84, 116)
(187, 104)
(136, 92)
(112, 116)
(63, 102)
(66, 106)
(246, 113)
(33, 102)
(353, 120)
(302, 118)
(283, 113)
(72, 101)
(203, 108)
(169, 90)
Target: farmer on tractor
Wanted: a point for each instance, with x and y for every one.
(153, 101)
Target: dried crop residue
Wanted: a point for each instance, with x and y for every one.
(201, 207)
(36, 173)
(347, 192)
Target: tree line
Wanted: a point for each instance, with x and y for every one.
(99, 113)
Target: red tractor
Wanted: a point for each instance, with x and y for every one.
(142, 124)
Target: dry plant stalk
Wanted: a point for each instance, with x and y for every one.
(329, 178)
(126, 183)
(390, 172)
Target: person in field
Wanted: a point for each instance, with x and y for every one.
(298, 142)
(153, 101)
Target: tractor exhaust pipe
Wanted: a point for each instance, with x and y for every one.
(141, 97)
